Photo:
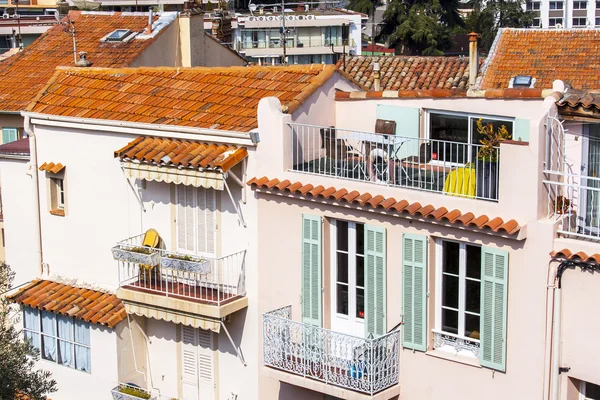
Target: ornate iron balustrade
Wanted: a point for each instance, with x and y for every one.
(363, 365)
(459, 344)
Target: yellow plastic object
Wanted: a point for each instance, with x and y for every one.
(461, 182)
(152, 240)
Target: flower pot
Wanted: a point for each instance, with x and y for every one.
(487, 180)
(194, 264)
(117, 395)
(129, 255)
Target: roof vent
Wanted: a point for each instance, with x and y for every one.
(118, 36)
(521, 81)
(83, 61)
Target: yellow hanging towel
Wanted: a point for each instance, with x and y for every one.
(461, 182)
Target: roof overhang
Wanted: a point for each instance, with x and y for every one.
(183, 176)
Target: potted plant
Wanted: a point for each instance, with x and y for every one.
(136, 254)
(185, 262)
(487, 159)
(129, 392)
(563, 205)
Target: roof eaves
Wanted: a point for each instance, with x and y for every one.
(318, 81)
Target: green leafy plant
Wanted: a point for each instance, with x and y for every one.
(491, 140)
(142, 250)
(184, 257)
(563, 204)
(132, 391)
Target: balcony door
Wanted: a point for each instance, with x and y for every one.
(348, 277)
(589, 218)
(197, 379)
(196, 220)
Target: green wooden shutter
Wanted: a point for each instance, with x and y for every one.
(414, 287)
(494, 289)
(9, 135)
(375, 280)
(521, 130)
(311, 270)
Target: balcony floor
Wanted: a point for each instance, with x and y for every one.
(183, 291)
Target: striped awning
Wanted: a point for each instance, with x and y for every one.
(175, 316)
(183, 176)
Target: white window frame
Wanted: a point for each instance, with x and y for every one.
(446, 341)
(562, 7)
(558, 20)
(196, 251)
(582, 391)
(60, 192)
(578, 19)
(40, 334)
(470, 118)
(577, 5)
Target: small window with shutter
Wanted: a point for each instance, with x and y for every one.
(196, 220)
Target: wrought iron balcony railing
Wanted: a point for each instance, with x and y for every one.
(454, 168)
(362, 365)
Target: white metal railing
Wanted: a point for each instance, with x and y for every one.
(291, 43)
(203, 279)
(127, 391)
(459, 344)
(441, 166)
(362, 365)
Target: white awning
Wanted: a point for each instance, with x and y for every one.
(174, 316)
(188, 177)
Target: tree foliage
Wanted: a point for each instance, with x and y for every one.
(421, 27)
(17, 356)
(364, 6)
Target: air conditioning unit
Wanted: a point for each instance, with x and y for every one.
(15, 16)
(5, 16)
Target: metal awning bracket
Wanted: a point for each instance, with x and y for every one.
(237, 349)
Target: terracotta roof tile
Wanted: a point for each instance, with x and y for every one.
(570, 55)
(52, 167)
(25, 74)
(181, 153)
(569, 255)
(496, 224)
(85, 304)
(408, 72)
(107, 94)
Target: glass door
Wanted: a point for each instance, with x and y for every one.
(589, 218)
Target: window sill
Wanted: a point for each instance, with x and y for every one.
(471, 361)
(58, 212)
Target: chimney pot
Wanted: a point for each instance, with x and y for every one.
(376, 77)
(83, 61)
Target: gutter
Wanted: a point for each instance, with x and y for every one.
(142, 129)
(22, 157)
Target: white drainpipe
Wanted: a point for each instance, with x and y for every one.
(33, 171)
(556, 345)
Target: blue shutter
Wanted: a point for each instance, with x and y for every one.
(375, 281)
(407, 125)
(311, 270)
(9, 135)
(494, 291)
(414, 287)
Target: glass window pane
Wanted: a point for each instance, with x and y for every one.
(360, 239)
(82, 332)
(450, 321)
(473, 296)
(82, 359)
(360, 271)
(453, 133)
(342, 267)
(31, 319)
(360, 303)
(451, 257)
(473, 262)
(472, 326)
(342, 235)
(342, 299)
(65, 327)
(34, 339)
(48, 348)
(65, 354)
(49, 323)
(477, 137)
(450, 291)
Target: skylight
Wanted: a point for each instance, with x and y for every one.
(118, 35)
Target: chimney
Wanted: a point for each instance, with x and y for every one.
(376, 77)
(150, 17)
(83, 61)
(473, 58)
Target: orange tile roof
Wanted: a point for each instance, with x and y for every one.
(182, 153)
(389, 204)
(569, 255)
(25, 74)
(570, 55)
(224, 98)
(51, 167)
(408, 72)
(85, 304)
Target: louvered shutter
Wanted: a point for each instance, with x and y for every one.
(181, 218)
(9, 135)
(311, 270)
(205, 364)
(414, 286)
(494, 290)
(206, 221)
(375, 280)
(189, 347)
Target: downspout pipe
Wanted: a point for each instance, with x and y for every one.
(556, 325)
(33, 170)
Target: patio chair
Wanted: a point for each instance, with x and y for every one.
(346, 160)
(152, 240)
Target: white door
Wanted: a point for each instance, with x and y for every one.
(196, 220)
(348, 278)
(197, 364)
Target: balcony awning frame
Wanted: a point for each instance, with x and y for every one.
(185, 176)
